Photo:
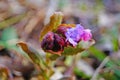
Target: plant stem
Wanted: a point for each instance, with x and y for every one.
(94, 77)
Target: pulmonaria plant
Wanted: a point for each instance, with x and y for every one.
(64, 36)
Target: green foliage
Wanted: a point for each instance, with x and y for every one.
(85, 54)
(109, 76)
(81, 74)
(52, 56)
(100, 56)
(82, 46)
(8, 34)
(9, 38)
(32, 53)
(72, 51)
(114, 33)
(97, 53)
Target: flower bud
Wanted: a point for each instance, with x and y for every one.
(48, 41)
(61, 30)
(53, 43)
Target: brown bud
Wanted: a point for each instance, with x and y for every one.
(62, 29)
(53, 43)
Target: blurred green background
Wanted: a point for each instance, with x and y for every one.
(23, 20)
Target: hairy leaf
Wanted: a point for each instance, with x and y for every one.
(80, 47)
(55, 21)
(32, 53)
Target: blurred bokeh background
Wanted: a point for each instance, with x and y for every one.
(23, 20)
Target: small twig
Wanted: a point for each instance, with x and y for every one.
(94, 77)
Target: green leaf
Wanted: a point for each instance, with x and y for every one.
(52, 56)
(100, 56)
(72, 51)
(81, 74)
(114, 32)
(55, 21)
(115, 43)
(33, 54)
(9, 34)
(97, 53)
(109, 76)
(9, 38)
(80, 48)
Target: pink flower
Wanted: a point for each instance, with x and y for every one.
(87, 35)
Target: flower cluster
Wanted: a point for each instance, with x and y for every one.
(75, 35)
(64, 36)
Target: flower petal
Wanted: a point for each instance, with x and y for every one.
(87, 35)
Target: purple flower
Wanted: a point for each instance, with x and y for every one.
(76, 34)
(73, 35)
